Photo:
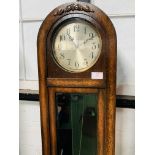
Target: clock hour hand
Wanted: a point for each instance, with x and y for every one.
(70, 37)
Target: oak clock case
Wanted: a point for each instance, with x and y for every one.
(77, 81)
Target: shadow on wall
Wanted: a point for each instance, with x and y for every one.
(120, 73)
(124, 80)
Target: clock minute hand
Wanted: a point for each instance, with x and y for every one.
(88, 40)
(72, 39)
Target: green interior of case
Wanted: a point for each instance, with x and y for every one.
(76, 123)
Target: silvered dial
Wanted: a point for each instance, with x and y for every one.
(77, 46)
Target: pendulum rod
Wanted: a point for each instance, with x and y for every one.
(81, 129)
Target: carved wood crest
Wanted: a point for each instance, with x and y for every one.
(73, 7)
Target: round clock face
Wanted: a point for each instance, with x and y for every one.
(77, 45)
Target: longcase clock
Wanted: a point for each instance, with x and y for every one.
(77, 81)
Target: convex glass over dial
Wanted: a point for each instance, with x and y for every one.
(77, 45)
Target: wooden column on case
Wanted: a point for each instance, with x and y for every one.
(50, 83)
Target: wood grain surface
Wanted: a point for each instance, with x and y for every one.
(52, 78)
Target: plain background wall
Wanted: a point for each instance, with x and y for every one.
(32, 13)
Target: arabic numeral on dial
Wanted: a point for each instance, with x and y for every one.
(62, 37)
(69, 61)
(76, 28)
(92, 55)
(98, 46)
(68, 31)
(85, 30)
(94, 46)
(86, 61)
(91, 35)
(76, 64)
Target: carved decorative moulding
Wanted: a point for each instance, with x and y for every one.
(73, 7)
